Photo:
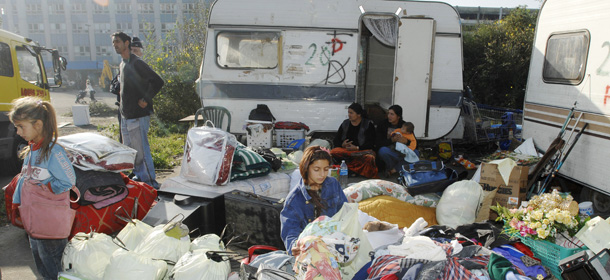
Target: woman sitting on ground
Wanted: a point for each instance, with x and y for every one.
(355, 141)
(315, 195)
(386, 140)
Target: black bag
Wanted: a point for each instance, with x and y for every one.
(255, 215)
(270, 157)
(115, 85)
(261, 113)
(426, 177)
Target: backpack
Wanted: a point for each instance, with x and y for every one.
(261, 113)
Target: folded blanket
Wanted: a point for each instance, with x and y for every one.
(100, 188)
(248, 164)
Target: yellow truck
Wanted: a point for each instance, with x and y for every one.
(22, 73)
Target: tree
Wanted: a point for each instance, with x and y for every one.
(177, 58)
(497, 58)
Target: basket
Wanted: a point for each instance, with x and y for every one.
(550, 253)
(283, 137)
(256, 138)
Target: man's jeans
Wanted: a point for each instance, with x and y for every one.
(47, 255)
(135, 135)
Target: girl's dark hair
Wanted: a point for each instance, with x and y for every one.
(397, 110)
(33, 109)
(310, 155)
(358, 109)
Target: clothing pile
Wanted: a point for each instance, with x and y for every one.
(98, 162)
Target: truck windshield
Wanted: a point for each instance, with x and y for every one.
(29, 68)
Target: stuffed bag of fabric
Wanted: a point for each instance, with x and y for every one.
(134, 233)
(128, 265)
(208, 156)
(209, 241)
(158, 245)
(202, 264)
(91, 151)
(459, 204)
(87, 255)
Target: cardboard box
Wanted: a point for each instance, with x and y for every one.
(510, 195)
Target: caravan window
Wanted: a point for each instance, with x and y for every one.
(247, 49)
(566, 57)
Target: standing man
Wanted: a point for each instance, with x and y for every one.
(136, 47)
(139, 84)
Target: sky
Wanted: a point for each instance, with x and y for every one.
(535, 4)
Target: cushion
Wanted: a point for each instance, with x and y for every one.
(396, 211)
(371, 188)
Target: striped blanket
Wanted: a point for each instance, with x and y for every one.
(248, 164)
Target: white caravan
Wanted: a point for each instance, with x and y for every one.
(571, 63)
(309, 60)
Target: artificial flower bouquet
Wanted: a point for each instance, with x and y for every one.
(543, 218)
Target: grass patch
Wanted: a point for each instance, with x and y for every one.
(98, 109)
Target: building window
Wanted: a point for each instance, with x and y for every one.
(124, 26)
(189, 8)
(79, 28)
(123, 8)
(167, 8)
(146, 27)
(565, 58)
(102, 27)
(146, 8)
(165, 27)
(56, 9)
(63, 50)
(99, 9)
(58, 27)
(83, 50)
(79, 8)
(6, 63)
(33, 9)
(35, 28)
(103, 50)
(247, 49)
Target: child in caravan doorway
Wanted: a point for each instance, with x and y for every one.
(47, 164)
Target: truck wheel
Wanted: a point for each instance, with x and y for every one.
(601, 202)
(13, 165)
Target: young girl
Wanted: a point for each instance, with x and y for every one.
(315, 195)
(36, 123)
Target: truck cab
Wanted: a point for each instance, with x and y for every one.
(22, 73)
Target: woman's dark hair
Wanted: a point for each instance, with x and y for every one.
(310, 155)
(397, 110)
(358, 109)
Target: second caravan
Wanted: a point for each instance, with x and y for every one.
(308, 60)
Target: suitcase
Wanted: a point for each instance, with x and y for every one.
(256, 216)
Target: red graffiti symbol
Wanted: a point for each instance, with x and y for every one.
(335, 42)
(607, 95)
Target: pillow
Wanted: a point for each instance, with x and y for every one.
(488, 197)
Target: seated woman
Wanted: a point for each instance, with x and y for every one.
(355, 141)
(386, 140)
(315, 195)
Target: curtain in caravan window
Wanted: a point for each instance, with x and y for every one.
(384, 28)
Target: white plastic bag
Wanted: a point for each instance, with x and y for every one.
(459, 203)
(158, 245)
(91, 151)
(209, 241)
(208, 156)
(127, 265)
(195, 265)
(134, 233)
(87, 255)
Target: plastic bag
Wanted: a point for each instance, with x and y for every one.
(208, 156)
(87, 255)
(134, 233)
(459, 203)
(91, 151)
(209, 241)
(128, 265)
(158, 245)
(196, 265)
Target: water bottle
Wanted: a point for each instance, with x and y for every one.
(343, 175)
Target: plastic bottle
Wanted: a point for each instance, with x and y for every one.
(343, 175)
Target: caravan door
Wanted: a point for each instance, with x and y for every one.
(413, 71)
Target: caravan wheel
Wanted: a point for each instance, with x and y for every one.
(601, 202)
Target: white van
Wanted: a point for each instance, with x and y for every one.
(309, 60)
(571, 63)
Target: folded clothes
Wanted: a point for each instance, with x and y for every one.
(100, 188)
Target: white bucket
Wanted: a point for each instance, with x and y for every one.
(586, 208)
(80, 114)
